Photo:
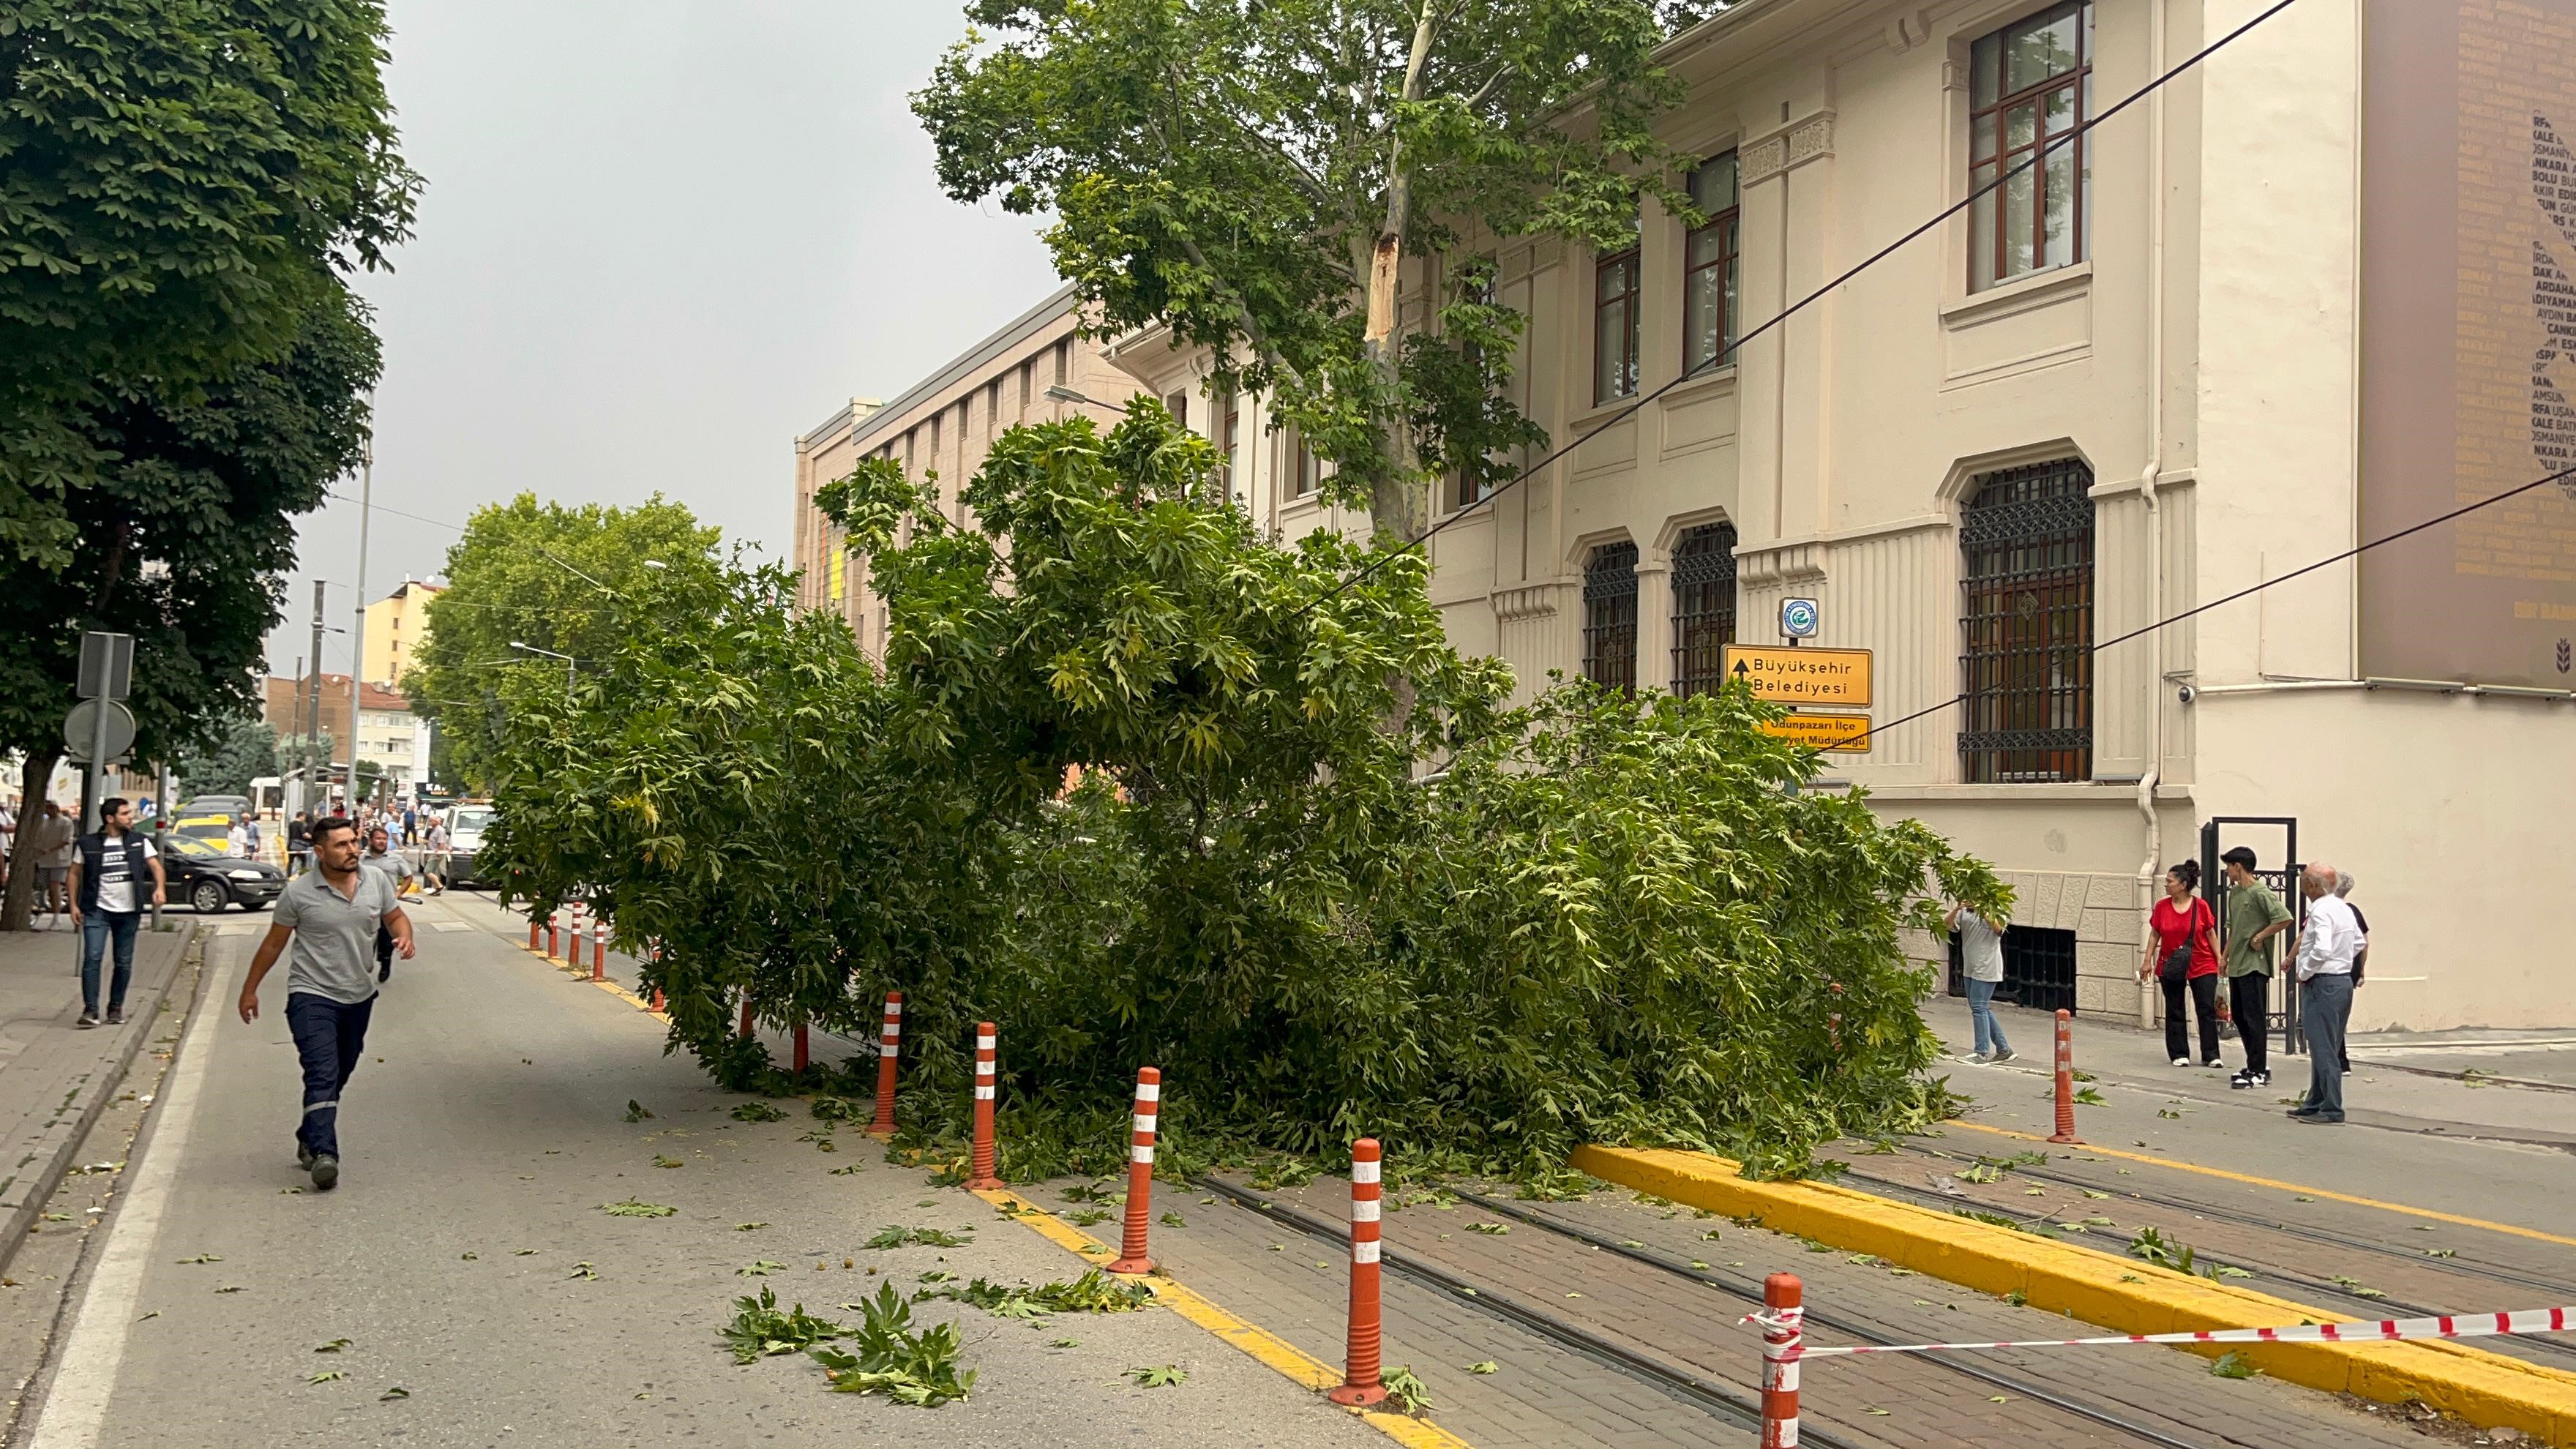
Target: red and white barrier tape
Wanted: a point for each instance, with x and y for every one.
(2385, 1330)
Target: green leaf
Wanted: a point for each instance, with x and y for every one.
(2233, 1365)
(1158, 1378)
(326, 1376)
(1483, 1366)
(632, 1208)
(760, 1268)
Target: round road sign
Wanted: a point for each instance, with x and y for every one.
(83, 721)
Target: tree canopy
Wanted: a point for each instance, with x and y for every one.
(244, 749)
(565, 579)
(1252, 177)
(1146, 786)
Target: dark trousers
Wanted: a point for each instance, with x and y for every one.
(2325, 1007)
(384, 953)
(330, 1036)
(97, 929)
(2204, 1001)
(2249, 1000)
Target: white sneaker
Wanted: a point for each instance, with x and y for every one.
(1980, 1058)
(2182, 1061)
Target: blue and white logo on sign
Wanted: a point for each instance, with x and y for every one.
(1797, 618)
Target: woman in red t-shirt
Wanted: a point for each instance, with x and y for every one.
(2185, 959)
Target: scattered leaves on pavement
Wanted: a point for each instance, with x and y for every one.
(759, 1329)
(1085, 1217)
(1175, 1220)
(584, 1272)
(334, 1346)
(2357, 1288)
(1158, 1378)
(2086, 1096)
(637, 1111)
(1093, 1292)
(327, 1376)
(202, 1258)
(633, 1208)
(1406, 1391)
(749, 1227)
(395, 1392)
(234, 1288)
(525, 1253)
(2233, 1365)
(760, 1268)
(1491, 1230)
(1065, 1343)
(661, 1161)
(757, 1110)
(1483, 1366)
(897, 1236)
(919, 1369)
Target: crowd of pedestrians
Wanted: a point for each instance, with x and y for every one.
(2193, 952)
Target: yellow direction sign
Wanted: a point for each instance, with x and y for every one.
(1846, 732)
(1838, 677)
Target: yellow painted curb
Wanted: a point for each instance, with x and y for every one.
(1261, 1344)
(2290, 1187)
(2124, 1295)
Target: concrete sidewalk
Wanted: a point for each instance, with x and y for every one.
(54, 1077)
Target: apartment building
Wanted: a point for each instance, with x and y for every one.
(2311, 293)
(397, 627)
(388, 732)
(1037, 367)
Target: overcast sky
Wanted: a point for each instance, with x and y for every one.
(660, 240)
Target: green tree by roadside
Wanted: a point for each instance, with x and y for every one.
(244, 749)
(183, 537)
(551, 577)
(1254, 176)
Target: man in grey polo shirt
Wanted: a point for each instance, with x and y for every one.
(330, 914)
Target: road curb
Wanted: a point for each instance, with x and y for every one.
(2121, 1294)
(64, 1135)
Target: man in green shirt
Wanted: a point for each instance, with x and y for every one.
(2254, 917)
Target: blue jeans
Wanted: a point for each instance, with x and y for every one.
(96, 928)
(330, 1037)
(2325, 1011)
(1981, 1015)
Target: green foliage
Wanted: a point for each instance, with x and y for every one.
(2152, 1245)
(517, 574)
(1164, 1377)
(756, 1110)
(759, 1330)
(910, 1368)
(1093, 1292)
(185, 182)
(244, 748)
(2233, 1365)
(1231, 171)
(631, 1208)
(1406, 1391)
(1605, 918)
(898, 1236)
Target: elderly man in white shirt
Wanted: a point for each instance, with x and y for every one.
(2325, 967)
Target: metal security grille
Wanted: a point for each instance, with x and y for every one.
(1610, 616)
(1703, 607)
(2039, 969)
(2026, 625)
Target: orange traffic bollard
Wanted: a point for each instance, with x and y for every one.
(1361, 1385)
(887, 1046)
(599, 956)
(746, 1011)
(1783, 1320)
(1140, 1172)
(801, 1057)
(2066, 1080)
(981, 1177)
(533, 929)
(660, 1002)
(554, 923)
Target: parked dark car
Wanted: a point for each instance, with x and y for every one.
(206, 876)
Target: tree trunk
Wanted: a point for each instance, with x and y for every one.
(1398, 505)
(18, 906)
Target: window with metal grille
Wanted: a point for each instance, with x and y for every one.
(2030, 85)
(1610, 616)
(1703, 607)
(2039, 969)
(2026, 625)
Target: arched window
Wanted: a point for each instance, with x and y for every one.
(1703, 607)
(2026, 625)
(1610, 616)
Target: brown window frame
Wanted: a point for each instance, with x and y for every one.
(2001, 155)
(1703, 579)
(1726, 227)
(1631, 317)
(2026, 603)
(1610, 598)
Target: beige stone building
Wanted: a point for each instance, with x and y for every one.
(2305, 296)
(397, 627)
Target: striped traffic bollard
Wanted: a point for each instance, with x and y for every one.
(554, 923)
(572, 957)
(599, 956)
(982, 1177)
(1140, 1172)
(2066, 1080)
(1783, 1322)
(801, 1057)
(888, 1046)
(1361, 1385)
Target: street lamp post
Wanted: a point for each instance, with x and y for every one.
(568, 660)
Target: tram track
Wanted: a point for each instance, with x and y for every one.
(2371, 1305)
(1682, 1383)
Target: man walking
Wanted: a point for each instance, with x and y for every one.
(2326, 952)
(435, 859)
(107, 866)
(331, 915)
(2254, 917)
(299, 843)
(390, 864)
(1981, 961)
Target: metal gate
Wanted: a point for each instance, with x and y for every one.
(2226, 832)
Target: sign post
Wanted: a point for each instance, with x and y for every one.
(106, 677)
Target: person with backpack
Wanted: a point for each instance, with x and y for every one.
(2185, 961)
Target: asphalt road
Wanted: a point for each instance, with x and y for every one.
(481, 1137)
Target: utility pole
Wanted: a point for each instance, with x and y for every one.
(311, 689)
(358, 635)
